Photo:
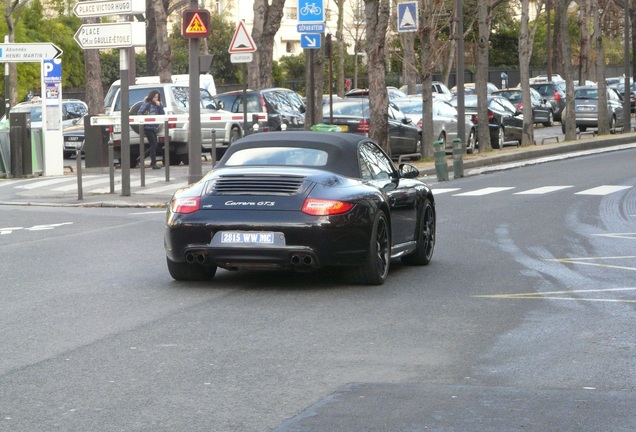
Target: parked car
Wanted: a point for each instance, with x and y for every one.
(469, 88)
(541, 108)
(73, 137)
(620, 88)
(445, 121)
(352, 115)
(504, 120)
(274, 107)
(301, 201)
(544, 78)
(439, 89)
(614, 80)
(586, 108)
(553, 92)
(393, 93)
(218, 128)
(71, 109)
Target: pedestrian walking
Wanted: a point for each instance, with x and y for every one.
(151, 106)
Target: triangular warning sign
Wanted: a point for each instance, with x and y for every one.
(242, 42)
(196, 25)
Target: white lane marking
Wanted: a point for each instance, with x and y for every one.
(631, 236)
(603, 190)
(439, 191)
(9, 230)
(170, 187)
(542, 190)
(484, 191)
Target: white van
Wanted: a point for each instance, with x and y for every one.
(221, 128)
(206, 81)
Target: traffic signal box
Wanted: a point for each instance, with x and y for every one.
(195, 23)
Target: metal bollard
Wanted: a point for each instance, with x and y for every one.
(441, 168)
(458, 158)
(78, 159)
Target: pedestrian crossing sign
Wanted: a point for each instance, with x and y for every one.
(407, 17)
(195, 23)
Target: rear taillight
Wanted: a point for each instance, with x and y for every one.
(363, 126)
(520, 106)
(319, 207)
(491, 116)
(557, 96)
(419, 123)
(185, 205)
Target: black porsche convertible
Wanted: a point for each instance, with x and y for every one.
(301, 201)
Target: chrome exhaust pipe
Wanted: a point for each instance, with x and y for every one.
(200, 258)
(190, 258)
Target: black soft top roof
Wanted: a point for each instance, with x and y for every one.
(342, 148)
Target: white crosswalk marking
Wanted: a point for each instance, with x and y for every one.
(440, 191)
(603, 190)
(44, 183)
(484, 191)
(84, 184)
(542, 190)
(160, 189)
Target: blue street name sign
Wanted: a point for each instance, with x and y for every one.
(311, 28)
(311, 11)
(310, 40)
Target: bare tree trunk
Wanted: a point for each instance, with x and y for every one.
(426, 33)
(409, 68)
(586, 48)
(603, 125)
(10, 8)
(562, 15)
(526, 42)
(267, 18)
(481, 78)
(340, 75)
(158, 50)
(377, 19)
(93, 71)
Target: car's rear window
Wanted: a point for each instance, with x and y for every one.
(278, 156)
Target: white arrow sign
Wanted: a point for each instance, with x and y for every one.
(28, 52)
(99, 8)
(111, 35)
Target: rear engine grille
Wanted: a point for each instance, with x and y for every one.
(257, 185)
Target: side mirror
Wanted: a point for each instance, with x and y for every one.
(409, 171)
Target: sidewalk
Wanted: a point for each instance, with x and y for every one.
(64, 191)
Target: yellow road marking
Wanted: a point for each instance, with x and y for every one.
(581, 261)
(558, 295)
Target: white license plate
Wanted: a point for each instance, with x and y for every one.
(247, 237)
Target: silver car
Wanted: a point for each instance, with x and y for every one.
(444, 121)
(586, 108)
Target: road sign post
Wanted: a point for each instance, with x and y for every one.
(122, 35)
(241, 50)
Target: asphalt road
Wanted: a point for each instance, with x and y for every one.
(522, 322)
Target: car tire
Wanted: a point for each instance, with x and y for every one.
(376, 269)
(499, 144)
(442, 138)
(582, 128)
(550, 121)
(190, 272)
(471, 143)
(418, 148)
(425, 237)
